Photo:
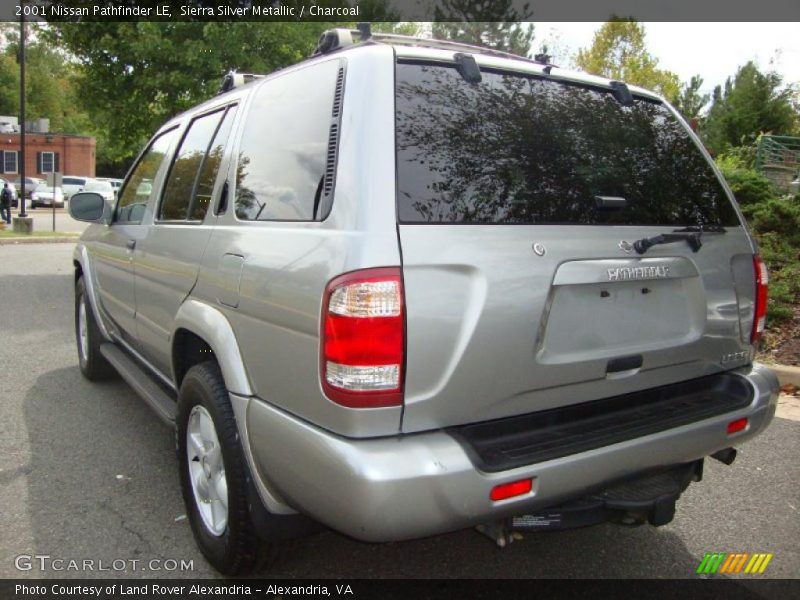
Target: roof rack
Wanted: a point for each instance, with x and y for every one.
(338, 39)
(233, 80)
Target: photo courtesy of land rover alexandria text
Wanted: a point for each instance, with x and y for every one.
(406, 287)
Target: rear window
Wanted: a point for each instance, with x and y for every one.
(73, 181)
(524, 150)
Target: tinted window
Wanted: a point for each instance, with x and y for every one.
(515, 149)
(188, 160)
(210, 168)
(73, 181)
(282, 157)
(134, 195)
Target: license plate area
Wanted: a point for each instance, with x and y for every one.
(604, 319)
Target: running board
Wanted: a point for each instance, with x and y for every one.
(141, 382)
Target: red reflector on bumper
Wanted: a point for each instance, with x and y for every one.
(737, 426)
(509, 490)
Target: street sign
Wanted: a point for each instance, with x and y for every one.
(54, 179)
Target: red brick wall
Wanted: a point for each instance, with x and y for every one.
(76, 153)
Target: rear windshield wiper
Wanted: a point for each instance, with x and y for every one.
(702, 229)
(691, 235)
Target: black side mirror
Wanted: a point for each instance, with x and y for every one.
(89, 207)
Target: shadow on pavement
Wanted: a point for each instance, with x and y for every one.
(102, 485)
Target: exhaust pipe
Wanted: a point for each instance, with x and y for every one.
(726, 456)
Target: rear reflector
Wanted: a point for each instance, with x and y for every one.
(363, 339)
(737, 426)
(760, 313)
(510, 490)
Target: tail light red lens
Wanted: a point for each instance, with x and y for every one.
(510, 490)
(737, 426)
(363, 339)
(760, 314)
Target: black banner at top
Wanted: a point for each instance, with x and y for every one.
(401, 10)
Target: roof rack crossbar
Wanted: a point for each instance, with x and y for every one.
(337, 39)
(233, 80)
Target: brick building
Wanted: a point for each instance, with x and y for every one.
(47, 153)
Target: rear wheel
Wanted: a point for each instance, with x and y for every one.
(92, 363)
(213, 472)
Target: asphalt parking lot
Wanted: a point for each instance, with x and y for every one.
(88, 472)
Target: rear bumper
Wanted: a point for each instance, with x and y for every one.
(410, 486)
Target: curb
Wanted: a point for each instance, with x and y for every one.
(787, 374)
(39, 240)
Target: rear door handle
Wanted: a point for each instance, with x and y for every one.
(130, 244)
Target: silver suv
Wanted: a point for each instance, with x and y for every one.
(407, 286)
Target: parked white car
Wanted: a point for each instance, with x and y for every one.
(43, 195)
(102, 187)
(115, 183)
(72, 184)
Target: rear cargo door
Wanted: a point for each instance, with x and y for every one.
(519, 202)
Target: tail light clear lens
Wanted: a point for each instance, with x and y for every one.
(363, 339)
(760, 314)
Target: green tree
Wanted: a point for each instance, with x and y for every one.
(494, 24)
(50, 90)
(137, 75)
(750, 103)
(691, 101)
(618, 51)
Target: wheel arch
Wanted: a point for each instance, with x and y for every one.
(202, 331)
(82, 265)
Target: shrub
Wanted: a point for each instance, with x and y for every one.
(776, 224)
(748, 185)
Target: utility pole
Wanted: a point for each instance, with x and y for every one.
(22, 212)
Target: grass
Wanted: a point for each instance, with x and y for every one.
(10, 233)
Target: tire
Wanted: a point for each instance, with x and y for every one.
(225, 534)
(92, 363)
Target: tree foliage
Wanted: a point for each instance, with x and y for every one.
(751, 103)
(51, 81)
(494, 24)
(618, 51)
(136, 75)
(691, 101)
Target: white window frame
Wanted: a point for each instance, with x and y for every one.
(52, 156)
(6, 156)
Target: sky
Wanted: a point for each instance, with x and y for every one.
(712, 50)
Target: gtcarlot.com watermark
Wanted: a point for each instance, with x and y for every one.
(46, 562)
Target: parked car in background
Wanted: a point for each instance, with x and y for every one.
(15, 198)
(102, 187)
(43, 195)
(72, 184)
(115, 183)
(30, 184)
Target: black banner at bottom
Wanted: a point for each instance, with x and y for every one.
(434, 589)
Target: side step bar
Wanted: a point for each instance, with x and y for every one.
(141, 382)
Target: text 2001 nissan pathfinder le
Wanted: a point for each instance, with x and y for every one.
(408, 286)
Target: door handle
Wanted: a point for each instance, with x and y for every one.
(130, 244)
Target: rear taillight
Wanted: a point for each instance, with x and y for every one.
(363, 339)
(760, 314)
(505, 491)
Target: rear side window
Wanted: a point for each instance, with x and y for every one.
(284, 153)
(135, 194)
(187, 192)
(517, 149)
